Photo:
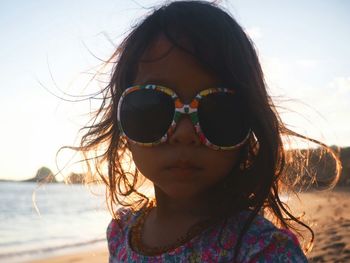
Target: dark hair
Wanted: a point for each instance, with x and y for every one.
(220, 44)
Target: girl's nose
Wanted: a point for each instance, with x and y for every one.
(185, 133)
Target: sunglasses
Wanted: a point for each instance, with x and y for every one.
(148, 114)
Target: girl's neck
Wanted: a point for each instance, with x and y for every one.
(171, 208)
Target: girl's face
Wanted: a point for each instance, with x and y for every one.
(182, 167)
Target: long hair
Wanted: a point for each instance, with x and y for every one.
(221, 46)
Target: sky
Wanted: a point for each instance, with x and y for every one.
(51, 48)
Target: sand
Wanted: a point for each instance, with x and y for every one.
(98, 256)
(327, 212)
(329, 215)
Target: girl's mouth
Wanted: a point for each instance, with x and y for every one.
(183, 168)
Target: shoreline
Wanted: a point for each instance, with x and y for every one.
(89, 253)
(327, 212)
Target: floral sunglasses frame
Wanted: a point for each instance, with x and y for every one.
(190, 109)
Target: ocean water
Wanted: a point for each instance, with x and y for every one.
(71, 217)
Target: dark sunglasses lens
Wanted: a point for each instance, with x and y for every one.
(222, 119)
(146, 115)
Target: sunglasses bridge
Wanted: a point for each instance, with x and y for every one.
(186, 109)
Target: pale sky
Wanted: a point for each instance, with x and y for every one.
(302, 45)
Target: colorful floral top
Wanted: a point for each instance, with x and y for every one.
(263, 242)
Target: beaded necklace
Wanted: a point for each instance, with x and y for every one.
(136, 235)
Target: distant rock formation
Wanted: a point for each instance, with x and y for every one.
(76, 178)
(43, 175)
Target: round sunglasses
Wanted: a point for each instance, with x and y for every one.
(148, 114)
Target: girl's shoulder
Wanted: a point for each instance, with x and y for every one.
(118, 227)
(122, 219)
(264, 241)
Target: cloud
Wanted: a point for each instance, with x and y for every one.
(308, 102)
(277, 73)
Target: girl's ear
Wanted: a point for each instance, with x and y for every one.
(250, 152)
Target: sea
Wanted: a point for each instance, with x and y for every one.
(39, 221)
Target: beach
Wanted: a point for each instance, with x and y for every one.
(329, 215)
(327, 212)
(97, 256)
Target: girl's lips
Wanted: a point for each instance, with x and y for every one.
(183, 169)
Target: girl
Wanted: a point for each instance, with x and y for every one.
(187, 98)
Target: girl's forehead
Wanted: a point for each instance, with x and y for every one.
(166, 65)
(157, 49)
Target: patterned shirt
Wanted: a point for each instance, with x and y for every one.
(263, 242)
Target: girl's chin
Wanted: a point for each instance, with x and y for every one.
(181, 192)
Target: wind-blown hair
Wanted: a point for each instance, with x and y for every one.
(221, 46)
